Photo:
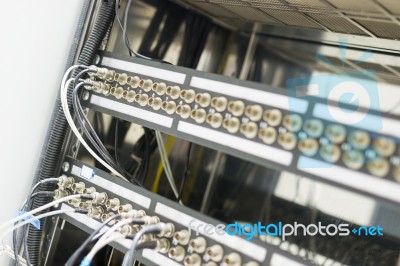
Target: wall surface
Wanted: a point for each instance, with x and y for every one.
(35, 41)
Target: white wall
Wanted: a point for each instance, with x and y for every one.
(35, 40)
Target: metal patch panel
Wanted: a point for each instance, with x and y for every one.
(254, 250)
(382, 174)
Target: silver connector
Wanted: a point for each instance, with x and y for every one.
(173, 92)
(231, 124)
(125, 208)
(60, 193)
(163, 245)
(181, 237)
(273, 117)
(88, 190)
(199, 115)
(188, 95)
(169, 107)
(214, 120)
(219, 103)
(84, 205)
(155, 103)
(236, 107)
(177, 253)
(192, 260)
(103, 73)
(100, 87)
(133, 81)
(117, 92)
(142, 99)
(167, 230)
(151, 219)
(99, 197)
(74, 202)
(78, 187)
(232, 259)
(129, 95)
(113, 204)
(160, 88)
(146, 84)
(249, 129)
(133, 214)
(129, 229)
(198, 244)
(105, 216)
(215, 253)
(122, 79)
(268, 135)
(183, 110)
(203, 99)
(65, 181)
(95, 212)
(254, 112)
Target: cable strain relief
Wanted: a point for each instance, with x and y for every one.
(86, 197)
(147, 244)
(138, 221)
(82, 211)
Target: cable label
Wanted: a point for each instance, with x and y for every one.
(87, 172)
(35, 222)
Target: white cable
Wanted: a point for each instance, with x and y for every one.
(95, 248)
(165, 162)
(31, 220)
(103, 243)
(34, 211)
(64, 103)
(69, 70)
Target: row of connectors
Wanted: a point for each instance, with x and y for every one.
(270, 120)
(197, 247)
(102, 208)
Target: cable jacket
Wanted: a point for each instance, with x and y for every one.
(58, 129)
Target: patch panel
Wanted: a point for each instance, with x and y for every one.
(225, 114)
(178, 243)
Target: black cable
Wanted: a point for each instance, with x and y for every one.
(125, 36)
(116, 142)
(83, 122)
(26, 207)
(147, 244)
(90, 133)
(43, 194)
(92, 136)
(81, 74)
(151, 229)
(71, 261)
(185, 171)
(15, 244)
(47, 194)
